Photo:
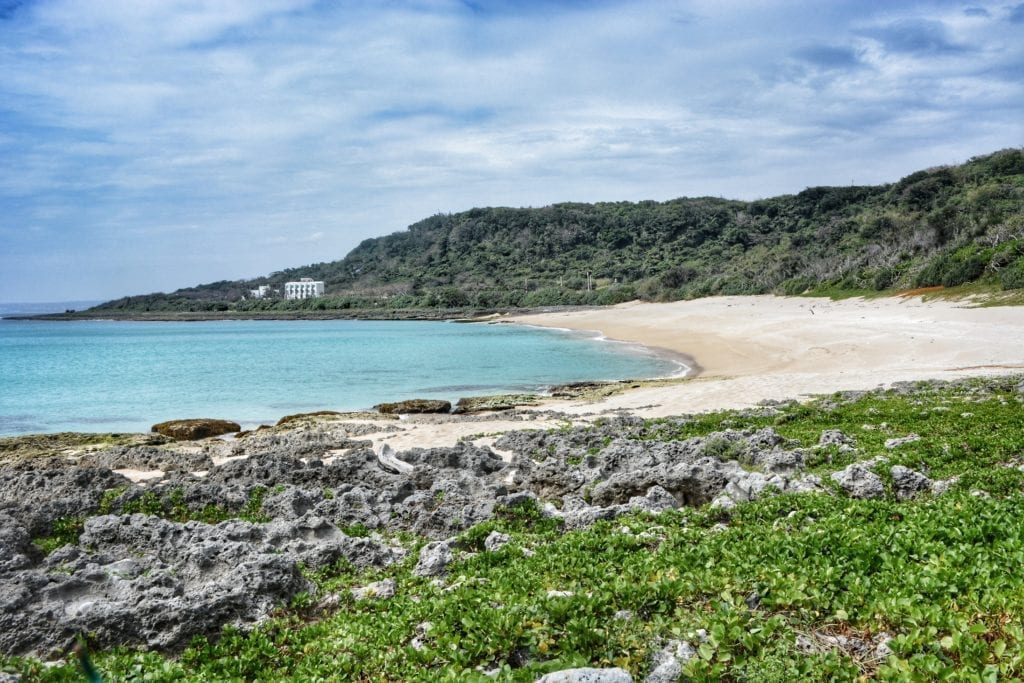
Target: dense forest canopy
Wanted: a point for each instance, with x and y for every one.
(941, 226)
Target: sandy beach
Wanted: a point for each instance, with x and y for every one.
(752, 348)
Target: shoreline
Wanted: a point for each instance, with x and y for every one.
(688, 364)
(745, 350)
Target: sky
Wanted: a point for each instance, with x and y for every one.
(147, 145)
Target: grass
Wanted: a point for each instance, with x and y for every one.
(774, 583)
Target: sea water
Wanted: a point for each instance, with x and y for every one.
(125, 376)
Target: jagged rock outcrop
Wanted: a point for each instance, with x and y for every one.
(322, 492)
(907, 483)
(37, 496)
(138, 579)
(148, 458)
(859, 482)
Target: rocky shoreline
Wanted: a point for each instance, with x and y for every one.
(148, 542)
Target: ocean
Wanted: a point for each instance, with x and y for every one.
(105, 376)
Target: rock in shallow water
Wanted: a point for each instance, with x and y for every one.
(416, 405)
(199, 428)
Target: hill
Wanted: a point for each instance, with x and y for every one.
(941, 226)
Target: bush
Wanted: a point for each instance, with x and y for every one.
(952, 269)
(884, 278)
(616, 295)
(796, 286)
(1012, 276)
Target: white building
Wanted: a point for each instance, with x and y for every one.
(306, 288)
(261, 292)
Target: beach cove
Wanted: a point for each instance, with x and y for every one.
(396, 527)
(750, 349)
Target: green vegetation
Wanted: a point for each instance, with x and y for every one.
(939, 227)
(791, 587)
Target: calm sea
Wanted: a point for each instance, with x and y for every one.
(126, 376)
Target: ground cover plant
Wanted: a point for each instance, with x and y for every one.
(813, 586)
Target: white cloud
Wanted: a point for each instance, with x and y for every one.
(249, 124)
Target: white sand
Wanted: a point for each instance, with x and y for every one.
(752, 348)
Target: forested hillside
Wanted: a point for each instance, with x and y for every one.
(941, 226)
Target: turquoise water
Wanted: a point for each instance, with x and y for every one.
(126, 376)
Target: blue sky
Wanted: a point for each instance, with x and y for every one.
(147, 145)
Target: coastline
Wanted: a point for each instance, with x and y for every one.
(745, 350)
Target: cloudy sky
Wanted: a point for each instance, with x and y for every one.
(147, 145)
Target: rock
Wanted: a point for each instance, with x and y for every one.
(480, 404)
(907, 483)
(36, 496)
(723, 502)
(36, 446)
(668, 662)
(310, 440)
(779, 462)
(835, 437)
(896, 443)
(654, 501)
(388, 460)
(764, 440)
(587, 675)
(419, 641)
(297, 417)
(138, 580)
(496, 541)
(200, 428)
(434, 558)
(291, 503)
(147, 458)
(378, 590)
(690, 483)
(882, 649)
(416, 405)
(859, 482)
(940, 486)
(16, 548)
